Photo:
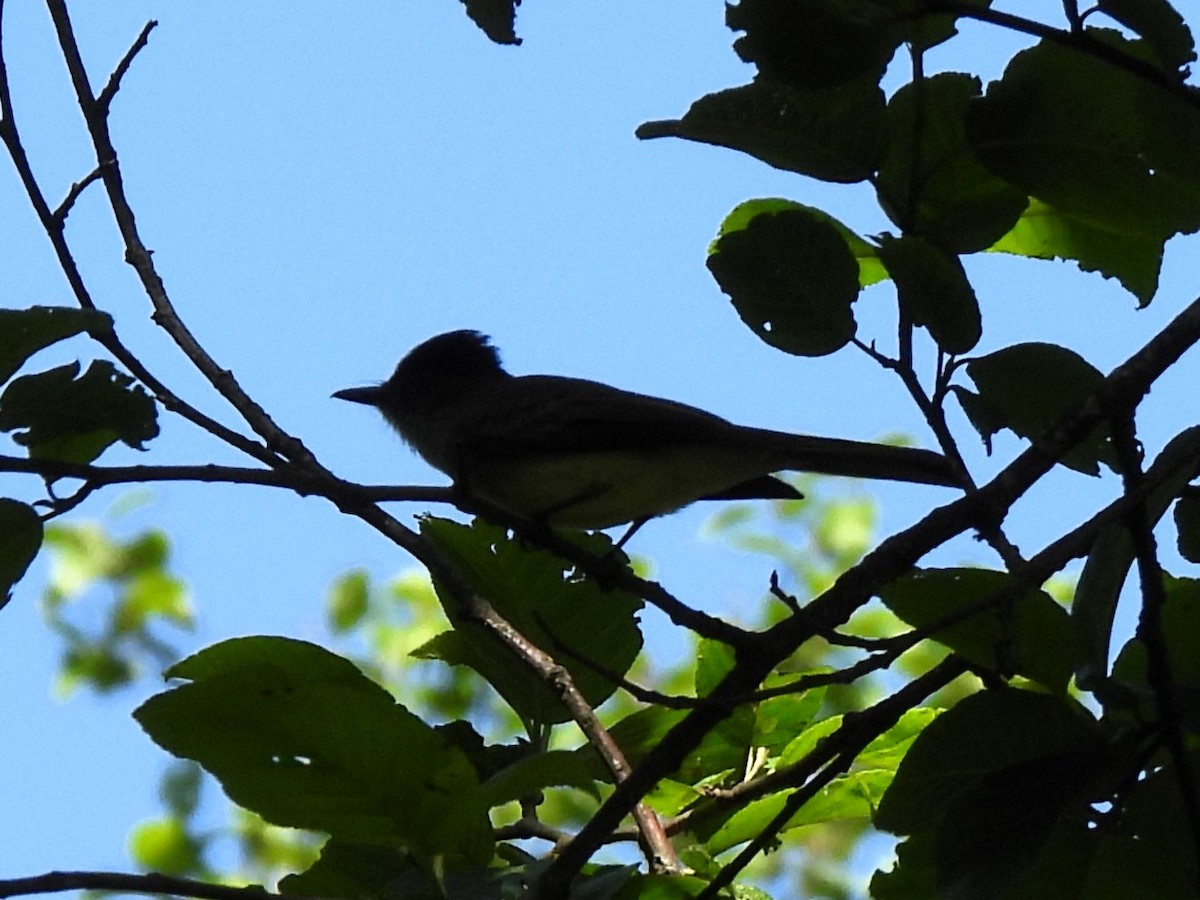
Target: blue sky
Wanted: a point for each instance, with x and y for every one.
(325, 186)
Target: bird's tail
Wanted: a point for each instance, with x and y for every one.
(859, 459)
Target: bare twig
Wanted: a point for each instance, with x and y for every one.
(139, 257)
(77, 187)
(52, 224)
(104, 101)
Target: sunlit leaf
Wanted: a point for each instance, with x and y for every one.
(300, 736)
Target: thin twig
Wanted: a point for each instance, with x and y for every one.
(53, 226)
(139, 257)
(60, 213)
(104, 101)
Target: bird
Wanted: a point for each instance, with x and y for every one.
(576, 454)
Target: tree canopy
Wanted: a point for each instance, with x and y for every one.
(497, 727)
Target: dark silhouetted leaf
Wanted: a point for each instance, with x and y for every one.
(933, 291)
(952, 198)
(20, 540)
(1027, 388)
(23, 332)
(75, 419)
(815, 42)
(1097, 144)
(835, 134)
(1112, 554)
(1160, 24)
(923, 30)
(982, 788)
(870, 268)
(495, 18)
(1181, 635)
(1031, 636)
(1187, 525)
(792, 278)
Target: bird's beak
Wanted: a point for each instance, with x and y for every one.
(366, 395)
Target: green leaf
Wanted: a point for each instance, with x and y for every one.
(347, 603)
(931, 183)
(923, 30)
(1032, 637)
(351, 870)
(815, 42)
(1181, 635)
(23, 332)
(636, 734)
(848, 798)
(724, 747)
(989, 731)
(75, 420)
(983, 787)
(359, 870)
(20, 540)
(778, 720)
(1027, 388)
(301, 737)
(887, 750)
(835, 134)
(870, 268)
(1098, 144)
(714, 660)
(933, 290)
(1160, 24)
(1187, 525)
(792, 278)
(530, 774)
(179, 788)
(164, 845)
(539, 594)
(150, 595)
(1042, 232)
(809, 739)
(669, 887)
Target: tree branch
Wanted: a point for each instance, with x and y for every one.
(1150, 627)
(139, 257)
(152, 883)
(896, 555)
(53, 224)
(1076, 39)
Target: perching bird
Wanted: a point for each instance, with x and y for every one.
(579, 454)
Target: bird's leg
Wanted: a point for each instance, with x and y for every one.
(630, 531)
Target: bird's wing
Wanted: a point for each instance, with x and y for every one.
(571, 415)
